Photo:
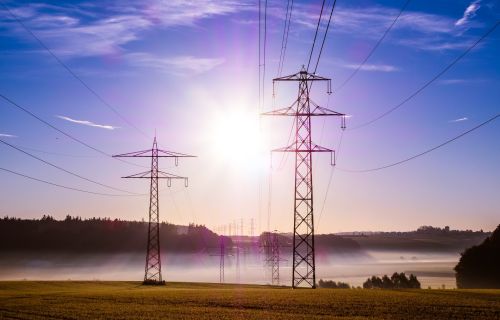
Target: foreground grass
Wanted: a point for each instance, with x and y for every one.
(130, 300)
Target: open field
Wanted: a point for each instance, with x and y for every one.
(130, 300)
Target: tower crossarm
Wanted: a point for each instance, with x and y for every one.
(314, 148)
(149, 153)
(161, 175)
(158, 153)
(142, 154)
(304, 76)
(301, 76)
(317, 111)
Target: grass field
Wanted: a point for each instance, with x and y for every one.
(130, 300)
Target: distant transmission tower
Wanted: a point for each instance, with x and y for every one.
(252, 230)
(221, 261)
(238, 266)
(304, 272)
(222, 254)
(272, 247)
(275, 259)
(152, 273)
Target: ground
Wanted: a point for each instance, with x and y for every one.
(131, 300)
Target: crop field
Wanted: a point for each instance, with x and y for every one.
(131, 300)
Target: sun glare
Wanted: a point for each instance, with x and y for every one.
(236, 139)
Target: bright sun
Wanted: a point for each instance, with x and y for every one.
(236, 139)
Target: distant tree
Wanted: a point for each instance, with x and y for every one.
(343, 285)
(333, 284)
(386, 282)
(396, 281)
(368, 284)
(413, 282)
(377, 282)
(77, 235)
(479, 265)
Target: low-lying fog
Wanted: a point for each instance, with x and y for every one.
(432, 269)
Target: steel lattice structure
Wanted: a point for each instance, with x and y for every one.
(222, 254)
(275, 264)
(221, 261)
(272, 247)
(152, 272)
(304, 272)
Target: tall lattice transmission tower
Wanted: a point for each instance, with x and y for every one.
(304, 268)
(152, 274)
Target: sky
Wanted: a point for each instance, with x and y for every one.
(188, 71)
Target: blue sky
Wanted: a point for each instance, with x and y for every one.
(189, 70)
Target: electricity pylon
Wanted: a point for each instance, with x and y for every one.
(252, 228)
(222, 254)
(272, 247)
(152, 274)
(304, 271)
(221, 261)
(275, 259)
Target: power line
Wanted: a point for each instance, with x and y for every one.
(322, 129)
(374, 48)
(52, 126)
(315, 34)
(426, 151)
(269, 198)
(284, 39)
(284, 43)
(324, 37)
(264, 55)
(330, 179)
(11, 102)
(262, 76)
(64, 170)
(63, 186)
(457, 59)
(260, 56)
(65, 66)
(284, 156)
(54, 153)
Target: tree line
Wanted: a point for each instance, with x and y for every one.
(98, 235)
(396, 281)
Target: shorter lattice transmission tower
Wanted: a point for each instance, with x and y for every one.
(152, 274)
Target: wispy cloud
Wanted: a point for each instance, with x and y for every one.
(179, 65)
(373, 67)
(6, 135)
(373, 21)
(459, 120)
(415, 29)
(461, 81)
(469, 13)
(104, 30)
(88, 123)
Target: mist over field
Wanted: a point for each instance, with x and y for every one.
(432, 269)
(104, 249)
